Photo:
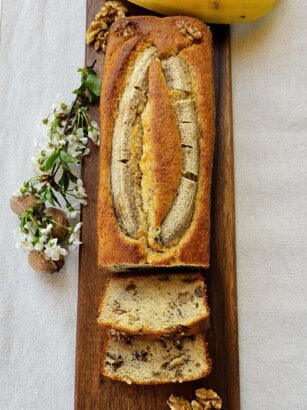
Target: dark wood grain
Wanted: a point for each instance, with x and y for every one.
(91, 391)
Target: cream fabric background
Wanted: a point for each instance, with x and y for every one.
(41, 46)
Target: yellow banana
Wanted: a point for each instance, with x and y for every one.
(212, 11)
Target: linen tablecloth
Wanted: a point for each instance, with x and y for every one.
(42, 44)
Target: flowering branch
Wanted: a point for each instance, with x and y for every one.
(45, 231)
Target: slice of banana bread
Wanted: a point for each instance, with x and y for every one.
(154, 305)
(147, 361)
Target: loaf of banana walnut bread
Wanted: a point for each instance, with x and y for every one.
(154, 305)
(157, 137)
(142, 361)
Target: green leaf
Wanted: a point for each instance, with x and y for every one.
(49, 197)
(72, 177)
(93, 84)
(80, 90)
(51, 160)
(67, 158)
(64, 180)
(56, 199)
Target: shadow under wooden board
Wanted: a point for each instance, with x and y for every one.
(91, 390)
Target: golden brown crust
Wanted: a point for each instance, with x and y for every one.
(164, 144)
(113, 376)
(114, 247)
(174, 332)
(200, 227)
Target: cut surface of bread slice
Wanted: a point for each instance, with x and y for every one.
(155, 305)
(142, 361)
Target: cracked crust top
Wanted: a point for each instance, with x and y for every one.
(128, 38)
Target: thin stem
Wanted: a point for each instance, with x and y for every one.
(56, 170)
(70, 113)
(93, 64)
(66, 127)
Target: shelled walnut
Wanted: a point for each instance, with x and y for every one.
(208, 398)
(205, 400)
(98, 31)
(178, 403)
(191, 32)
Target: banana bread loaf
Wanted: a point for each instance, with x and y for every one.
(157, 137)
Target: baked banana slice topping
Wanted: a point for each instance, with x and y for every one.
(121, 176)
(136, 200)
(180, 215)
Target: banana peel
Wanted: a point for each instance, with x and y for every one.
(212, 11)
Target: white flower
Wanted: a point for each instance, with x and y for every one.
(33, 238)
(79, 192)
(39, 245)
(73, 214)
(47, 229)
(53, 250)
(80, 134)
(77, 228)
(73, 240)
(76, 143)
(25, 241)
(94, 132)
(30, 228)
(58, 140)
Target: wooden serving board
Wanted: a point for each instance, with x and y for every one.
(94, 392)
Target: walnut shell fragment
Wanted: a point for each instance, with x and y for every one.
(20, 203)
(59, 223)
(38, 262)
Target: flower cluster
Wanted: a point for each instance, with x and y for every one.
(47, 231)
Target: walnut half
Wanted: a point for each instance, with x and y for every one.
(205, 400)
(209, 399)
(98, 31)
(191, 32)
(178, 403)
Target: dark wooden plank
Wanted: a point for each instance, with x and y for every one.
(221, 277)
(91, 391)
